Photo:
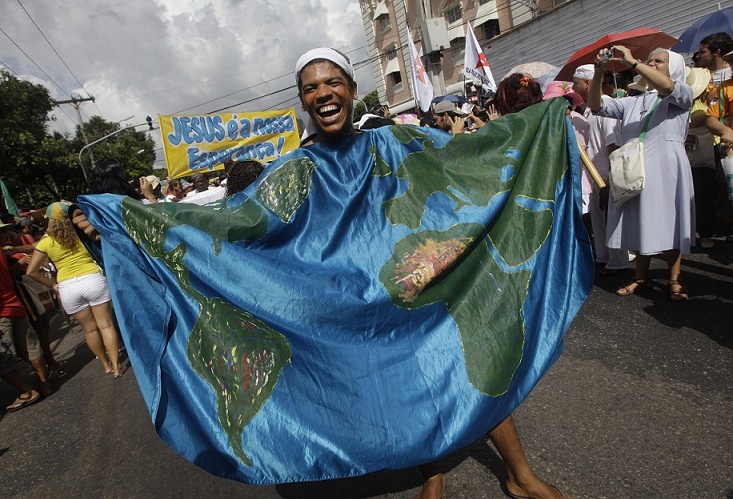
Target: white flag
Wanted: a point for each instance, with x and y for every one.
(476, 66)
(421, 85)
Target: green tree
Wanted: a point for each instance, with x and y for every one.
(371, 100)
(134, 150)
(24, 109)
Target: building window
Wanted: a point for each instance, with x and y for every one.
(396, 78)
(390, 54)
(555, 3)
(458, 48)
(491, 29)
(384, 22)
(481, 2)
(454, 14)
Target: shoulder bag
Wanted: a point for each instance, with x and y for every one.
(626, 175)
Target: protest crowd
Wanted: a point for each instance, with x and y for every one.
(680, 112)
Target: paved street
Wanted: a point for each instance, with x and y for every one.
(639, 405)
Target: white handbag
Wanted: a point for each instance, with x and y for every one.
(727, 162)
(626, 175)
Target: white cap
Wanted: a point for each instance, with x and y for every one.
(585, 72)
(324, 53)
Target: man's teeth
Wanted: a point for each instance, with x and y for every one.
(328, 109)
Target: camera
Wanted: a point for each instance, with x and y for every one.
(606, 55)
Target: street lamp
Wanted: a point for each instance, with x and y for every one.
(84, 171)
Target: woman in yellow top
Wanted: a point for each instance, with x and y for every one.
(80, 285)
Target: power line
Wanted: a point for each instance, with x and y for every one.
(357, 66)
(57, 54)
(23, 79)
(10, 69)
(34, 62)
(254, 99)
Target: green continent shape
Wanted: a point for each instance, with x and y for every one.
(456, 267)
(237, 354)
(381, 168)
(406, 133)
(484, 301)
(468, 168)
(244, 222)
(241, 358)
(285, 189)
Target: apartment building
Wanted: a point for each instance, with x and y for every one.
(510, 32)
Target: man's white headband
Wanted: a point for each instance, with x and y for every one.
(585, 72)
(329, 54)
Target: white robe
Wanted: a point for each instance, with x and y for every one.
(662, 217)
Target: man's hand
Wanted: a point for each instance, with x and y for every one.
(726, 139)
(458, 125)
(147, 189)
(84, 225)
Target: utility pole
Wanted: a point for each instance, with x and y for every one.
(432, 57)
(76, 101)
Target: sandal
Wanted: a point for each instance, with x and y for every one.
(24, 400)
(635, 286)
(56, 373)
(677, 291)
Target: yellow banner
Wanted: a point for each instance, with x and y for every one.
(203, 142)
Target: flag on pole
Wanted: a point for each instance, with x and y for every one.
(422, 88)
(368, 305)
(9, 203)
(476, 66)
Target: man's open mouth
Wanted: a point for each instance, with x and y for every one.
(329, 111)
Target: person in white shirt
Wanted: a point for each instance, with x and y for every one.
(601, 142)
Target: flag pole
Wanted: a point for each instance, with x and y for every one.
(592, 170)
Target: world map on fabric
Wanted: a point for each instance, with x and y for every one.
(352, 281)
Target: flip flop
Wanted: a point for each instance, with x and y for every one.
(22, 402)
(514, 496)
(56, 373)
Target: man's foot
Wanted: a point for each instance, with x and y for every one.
(56, 373)
(44, 388)
(432, 488)
(541, 490)
(24, 400)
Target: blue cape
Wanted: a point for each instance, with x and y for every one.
(370, 304)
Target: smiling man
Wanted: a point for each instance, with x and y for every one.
(327, 91)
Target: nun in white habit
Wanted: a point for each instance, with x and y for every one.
(662, 218)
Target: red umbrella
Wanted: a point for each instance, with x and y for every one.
(640, 41)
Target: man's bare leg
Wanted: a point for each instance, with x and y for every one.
(432, 487)
(522, 481)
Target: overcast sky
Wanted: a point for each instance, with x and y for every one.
(150, 57)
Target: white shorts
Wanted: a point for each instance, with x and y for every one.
(78, 293)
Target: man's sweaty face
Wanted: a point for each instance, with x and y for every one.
(327, 98)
